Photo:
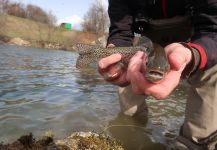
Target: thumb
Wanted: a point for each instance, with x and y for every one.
(178, 56)
(178, 59)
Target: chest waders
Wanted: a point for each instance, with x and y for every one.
(199, 130)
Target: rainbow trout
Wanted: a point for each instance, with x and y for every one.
(155, 67)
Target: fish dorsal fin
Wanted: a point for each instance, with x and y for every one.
(84, 48)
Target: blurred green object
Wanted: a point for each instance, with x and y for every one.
(68, 26)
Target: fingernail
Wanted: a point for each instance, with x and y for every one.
(110, 77)
(114, 75)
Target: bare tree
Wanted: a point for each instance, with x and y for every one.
(3, 5)
(16, 9)
(38, 14)
(30, 11)
(51, 18)
(96, 19)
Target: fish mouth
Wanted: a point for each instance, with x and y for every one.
(154, 75)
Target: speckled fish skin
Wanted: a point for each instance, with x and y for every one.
(90, 54)
(156, 67)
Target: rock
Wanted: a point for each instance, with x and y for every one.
(76, 141)
(89, 141)
(54, 46)
(19, 41)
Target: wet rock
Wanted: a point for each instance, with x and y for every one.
(76, 141)
(89, 141)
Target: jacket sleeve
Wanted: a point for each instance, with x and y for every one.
(121, 19)
(204, 39)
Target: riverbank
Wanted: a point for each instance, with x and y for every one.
(38, 44)
(24, 32)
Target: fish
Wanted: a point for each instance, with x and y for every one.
(156, 66)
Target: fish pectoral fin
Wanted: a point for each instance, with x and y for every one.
(84, 48)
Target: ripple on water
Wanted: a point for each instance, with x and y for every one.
(41, 90)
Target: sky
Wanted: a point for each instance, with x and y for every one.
(70, 11)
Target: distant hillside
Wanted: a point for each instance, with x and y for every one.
(35, 32)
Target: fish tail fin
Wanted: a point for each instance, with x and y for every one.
(85, 57)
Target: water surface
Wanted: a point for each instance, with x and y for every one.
(41, 89)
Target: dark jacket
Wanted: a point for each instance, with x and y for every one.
(204, 20)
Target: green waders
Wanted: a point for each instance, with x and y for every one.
(199, 131)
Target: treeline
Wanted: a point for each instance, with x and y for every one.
(29, 11)
(96, 19)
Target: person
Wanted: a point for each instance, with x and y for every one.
(187, 29)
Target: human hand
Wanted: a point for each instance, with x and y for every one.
(111, 70)
(178, 57)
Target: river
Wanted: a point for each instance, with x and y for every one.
(41, 90)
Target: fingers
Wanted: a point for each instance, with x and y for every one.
(113, 71)
(164, 88)
(134, 75)
(176, 60)
(121, 80)
(106, 62)
(158, 90)
(115, 74)
(178, 56)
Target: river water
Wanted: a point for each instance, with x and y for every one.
(41, 90)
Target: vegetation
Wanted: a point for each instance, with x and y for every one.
(89, 141)
(33, 25)
(30, 11)
(76, 141)
(39, 34)
(29, 142)
(96, 19)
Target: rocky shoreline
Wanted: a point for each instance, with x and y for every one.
(49, 45)
(76, 141)
(36, 44)
(40, 44)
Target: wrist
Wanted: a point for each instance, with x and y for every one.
(192, 66)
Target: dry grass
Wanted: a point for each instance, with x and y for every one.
(12, 27)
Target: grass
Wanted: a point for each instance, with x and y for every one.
(32, 31)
